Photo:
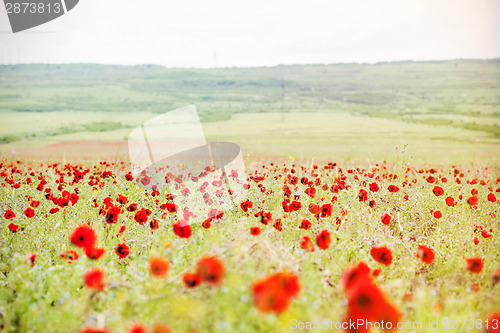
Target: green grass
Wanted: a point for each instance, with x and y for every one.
(52, 294)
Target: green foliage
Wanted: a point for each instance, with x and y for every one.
(52, 295)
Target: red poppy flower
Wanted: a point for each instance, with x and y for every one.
(307, 244)
(141, 216)
(323, 240)
(313, 208)
(29, 212)
(382, 255)
(159, 267)
(53, 210)
(366, 301)
(31, 258)
(13, 227)
(473, 200)
(326, 210)
(305, 224)
(438, 191)
(95, 278)
(153, 224)
(265, 217)
(191, 280)
(94, 253)
(211, 269)
(137, 328)
(363, 195)
(274, 293)
(493, 323)
(69, 255)
(278, 225)
(437, 214)
(83, 236)
(353, 274)
(295, 205)
(311, 191)
(374, 187)
(246, 205)
(172, 208)
(255, 231)
(492, 198)
(425, 254)
(160, 328)
(450, 201)
(132, 207)
(474, 265)
(122, 250)
(182, 229)
(393, 188)
(386, 219)
(9, 214)
(112, 214)
(485, 234)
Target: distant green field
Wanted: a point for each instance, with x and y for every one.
(442, 110)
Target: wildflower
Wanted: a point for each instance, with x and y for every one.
(246, 205)
(9, 214)
(274, 293)
(69, 255)
(450, 201)
(182, 229)
(438, 191)
(323, 240)
(305, 224)
(474, 265)
(307, 244)
(493, 323)
(255, 231)
(473, 200)
(374, 187)
(94, 279)
(382, 255)
(386, 219)
(94, 253)
(137, 328)
(191, 280)
(425, 254)
(83, 236)
(159, 267)
(211, 269)
(393, 188)
(29, 212)
(160, 328)
(122, 250)
(13, 227)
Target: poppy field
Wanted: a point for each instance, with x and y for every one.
(312, 248)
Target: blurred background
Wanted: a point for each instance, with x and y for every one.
(327, 80)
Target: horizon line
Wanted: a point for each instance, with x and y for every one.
(249, 67)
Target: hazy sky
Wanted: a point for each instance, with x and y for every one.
(200, 33)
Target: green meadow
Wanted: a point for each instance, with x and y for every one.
(437, 111)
